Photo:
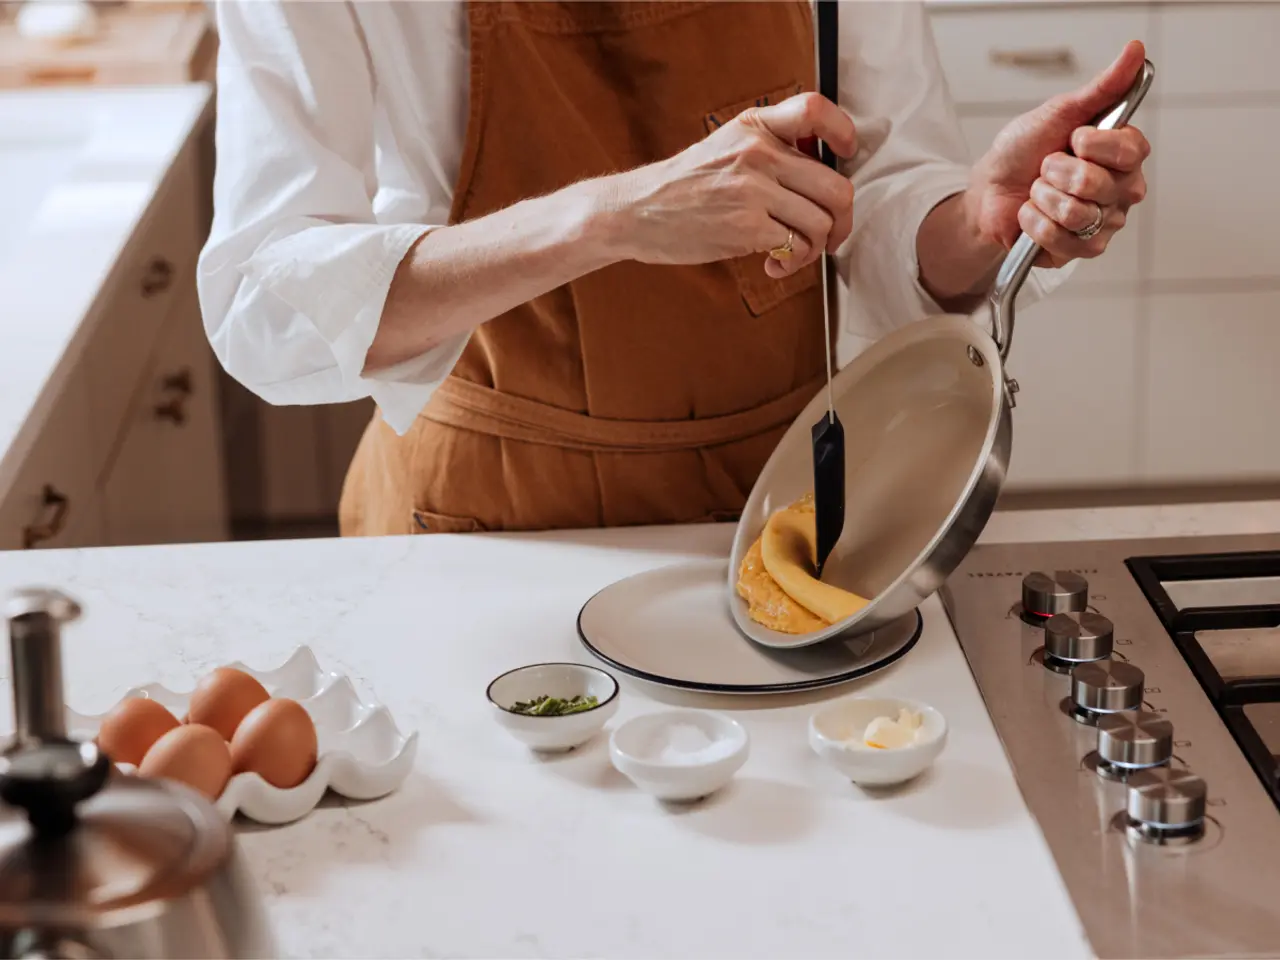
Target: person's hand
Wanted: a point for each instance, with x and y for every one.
(745, 189)
(1029, 182)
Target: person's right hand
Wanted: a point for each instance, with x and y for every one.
(743, 188)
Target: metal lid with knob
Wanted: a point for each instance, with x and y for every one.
(1044, 595)
(43, 772)
(1131, 741)
(1166, 805)
(1103, 687)
(101, 854)
(1078, 637)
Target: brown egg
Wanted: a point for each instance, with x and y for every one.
(192, 754)
(129, 730)
(223, 698)
(277, 741)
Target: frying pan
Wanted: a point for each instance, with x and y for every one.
(927, 411)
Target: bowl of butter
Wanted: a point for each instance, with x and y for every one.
(878, 741)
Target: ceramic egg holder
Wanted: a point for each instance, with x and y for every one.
(362, 753)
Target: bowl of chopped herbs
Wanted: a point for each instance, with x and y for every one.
(553, 707)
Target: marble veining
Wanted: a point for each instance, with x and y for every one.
(489, 851)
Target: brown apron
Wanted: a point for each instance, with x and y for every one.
(639, 394)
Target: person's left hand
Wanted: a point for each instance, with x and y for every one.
(1029, 182)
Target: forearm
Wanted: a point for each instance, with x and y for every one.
(957, 266)
(455, 278)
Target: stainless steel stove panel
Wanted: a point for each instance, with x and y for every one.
(1217, 896)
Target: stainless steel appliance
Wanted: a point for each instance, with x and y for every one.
(94, 863)
(1135, 686)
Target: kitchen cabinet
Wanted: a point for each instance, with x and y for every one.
(1068, 428)
(1219, 48)
(1212, 392)
(1215, 208)
(137, 302)
(51, 502)
(1168, 339)
(166, 483)
(125, 445)
(1025, 54)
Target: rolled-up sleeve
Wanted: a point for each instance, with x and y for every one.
(912, 157)
(296, 270)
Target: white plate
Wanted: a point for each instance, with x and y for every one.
(363, 755)
(672, 626)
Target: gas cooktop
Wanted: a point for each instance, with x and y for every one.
(1135, 686)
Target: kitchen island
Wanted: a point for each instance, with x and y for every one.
(489, 851)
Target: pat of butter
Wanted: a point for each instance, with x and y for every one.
(884, 733)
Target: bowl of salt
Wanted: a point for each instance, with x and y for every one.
(679, 755)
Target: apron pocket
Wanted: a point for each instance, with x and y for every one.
(761, 292)
(424, 521)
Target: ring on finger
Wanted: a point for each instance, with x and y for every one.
(785, 251)
(1093, 229)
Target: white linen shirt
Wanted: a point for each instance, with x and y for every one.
(339, 136)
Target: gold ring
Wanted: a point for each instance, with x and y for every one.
(784, 252)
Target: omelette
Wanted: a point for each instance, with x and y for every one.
(777, 580)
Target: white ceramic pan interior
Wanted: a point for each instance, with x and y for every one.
(920, 410)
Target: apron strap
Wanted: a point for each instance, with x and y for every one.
(471, 406)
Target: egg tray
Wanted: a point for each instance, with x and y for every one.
(362, 753)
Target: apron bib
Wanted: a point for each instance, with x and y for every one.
(639, 394)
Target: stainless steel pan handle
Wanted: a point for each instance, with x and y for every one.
(1017, 265)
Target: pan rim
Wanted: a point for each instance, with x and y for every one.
(955, 326)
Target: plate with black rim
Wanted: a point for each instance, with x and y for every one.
(672, 626)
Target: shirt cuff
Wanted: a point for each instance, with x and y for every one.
(1039, 283)
(403, 390)
(337, 277)
(882, 266)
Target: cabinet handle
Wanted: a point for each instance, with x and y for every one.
(57, 505)
(1060, 59)
(157, 278)
(180, 387)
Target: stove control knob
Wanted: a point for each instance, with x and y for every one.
(1166, 804)
(1104, 686)
(1132, 741)
(1045, 594)
(1078, 637)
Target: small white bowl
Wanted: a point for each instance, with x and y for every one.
(554, 734)
(679, 755)
(836, 735)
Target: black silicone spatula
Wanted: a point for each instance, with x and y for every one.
(828, 433)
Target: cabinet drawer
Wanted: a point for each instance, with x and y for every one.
(1217, 48)
(52, 502)
(1213, 209)
(1025, 56)
(156, 270)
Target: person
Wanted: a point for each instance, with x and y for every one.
(570, 249)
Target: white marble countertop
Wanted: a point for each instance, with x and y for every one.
(489, 852)
(78, 171)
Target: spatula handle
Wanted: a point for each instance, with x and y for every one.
(828, 39)
(1017, 264)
